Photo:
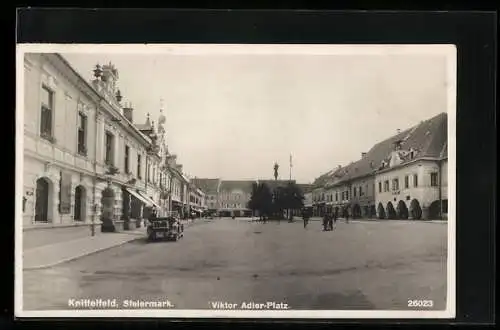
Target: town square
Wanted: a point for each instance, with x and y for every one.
(234, 181)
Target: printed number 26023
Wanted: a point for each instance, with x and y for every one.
(420, 303)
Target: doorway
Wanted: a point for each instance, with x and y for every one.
(42, 200)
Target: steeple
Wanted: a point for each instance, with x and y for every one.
(148, 123)
(161, 119)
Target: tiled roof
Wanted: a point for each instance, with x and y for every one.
(208, 186)
(322, 179)
(427, 139)
(230, 185)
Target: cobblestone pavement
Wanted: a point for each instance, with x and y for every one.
(360, 265)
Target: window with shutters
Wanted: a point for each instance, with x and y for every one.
(109, 157)
(82, 134)
(47, 109)
(127, 159)
(407, 181)
(139, 160)
(395, 184)
(434, 179)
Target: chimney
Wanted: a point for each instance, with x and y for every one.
(398, 130)
(127, 112)
(363, 154)
(339, 167)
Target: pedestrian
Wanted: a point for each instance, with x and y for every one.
(330, 221)
(325, 222)
(346, 216)
(335, 216)
(305, 216)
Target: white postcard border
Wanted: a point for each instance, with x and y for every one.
(447, 50)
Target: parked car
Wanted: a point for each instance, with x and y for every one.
(165, 228)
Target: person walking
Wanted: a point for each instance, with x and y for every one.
(346, 215)
(325, 222)
(330, 221)
(335, 216)
(305, 216)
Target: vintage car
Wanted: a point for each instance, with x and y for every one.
(165, 228)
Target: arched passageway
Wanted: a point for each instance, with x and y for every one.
(80, 198)
(435, 211)
(381, 211)
(402, 210)
(415, 210)
(391, 212)
(42, 200)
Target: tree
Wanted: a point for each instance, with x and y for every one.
(261, 199)
(289, 197)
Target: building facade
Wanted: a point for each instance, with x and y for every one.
(403, 177)
(87, 166)
(210, 188)
(79, 148)
(234, 197)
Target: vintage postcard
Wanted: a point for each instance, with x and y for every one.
(240, 181)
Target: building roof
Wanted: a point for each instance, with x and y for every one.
(426, 139)
(305, 187)
(208, 186)
(231, 185)
(322, 179)
(273, 184)
(144, 127)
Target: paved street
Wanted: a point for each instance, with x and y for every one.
(360, 265)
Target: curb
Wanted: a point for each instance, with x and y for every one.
(138, 237)
(80, 255)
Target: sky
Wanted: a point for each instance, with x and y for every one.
(232, 116)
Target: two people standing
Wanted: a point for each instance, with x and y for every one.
(328, 220)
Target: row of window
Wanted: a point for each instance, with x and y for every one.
(232, 197)
(47, 108)
(46, 131)
(195, 200)
(358, 191)
(225, 206)
(395, 182)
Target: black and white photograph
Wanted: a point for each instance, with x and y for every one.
(235, 180)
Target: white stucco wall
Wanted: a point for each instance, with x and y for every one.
(46, 159)
(424, 192)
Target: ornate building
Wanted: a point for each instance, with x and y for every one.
(403, 177)
(86, 165)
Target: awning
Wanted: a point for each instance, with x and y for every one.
(150, 200)
(138, 196)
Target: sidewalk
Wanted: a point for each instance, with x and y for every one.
(381, 220)
(54, 254)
